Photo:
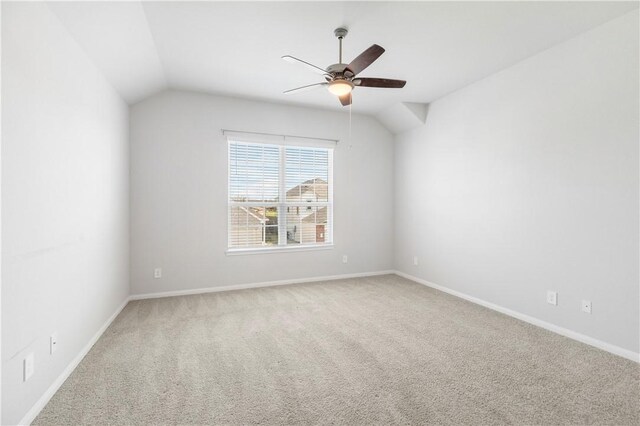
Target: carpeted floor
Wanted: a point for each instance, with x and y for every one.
(359, 351)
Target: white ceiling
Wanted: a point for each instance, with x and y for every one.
(235, 48)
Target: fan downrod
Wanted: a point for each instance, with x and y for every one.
(340, 33)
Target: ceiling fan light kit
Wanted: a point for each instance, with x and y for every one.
(340, 87)
(341, 78)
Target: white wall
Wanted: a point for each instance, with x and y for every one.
(0, 217)
(528, 181)
(64, 198)
(179, 192)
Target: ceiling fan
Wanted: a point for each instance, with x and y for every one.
(341, 78)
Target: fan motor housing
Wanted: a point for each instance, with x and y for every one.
(336, 68)
(340, 70)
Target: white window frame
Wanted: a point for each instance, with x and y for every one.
(282, 203)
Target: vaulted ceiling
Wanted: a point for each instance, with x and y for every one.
(234, 48)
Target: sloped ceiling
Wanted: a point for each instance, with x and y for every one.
(234, 48)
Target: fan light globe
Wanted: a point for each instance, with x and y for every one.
(340, 87)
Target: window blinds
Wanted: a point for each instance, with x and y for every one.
(269, 138)
(279, 195)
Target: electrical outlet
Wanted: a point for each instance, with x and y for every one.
(552, 297)
(586, 306)
(345, 258)
(28, 367)
(415, 260)
(53, 343)
(157, 273)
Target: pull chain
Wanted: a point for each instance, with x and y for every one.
(350, 105)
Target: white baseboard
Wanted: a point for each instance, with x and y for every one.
(255, 285)
(616, 350)
(44, 399)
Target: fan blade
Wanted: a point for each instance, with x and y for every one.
(304, 88)
(312, 67)
(379, 82)
(365, 59)
(345, 99)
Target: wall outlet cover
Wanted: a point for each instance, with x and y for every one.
(53, 343)
(586, 306)
(552, 297)
(345, 258)
(157, 273)
(28, 367)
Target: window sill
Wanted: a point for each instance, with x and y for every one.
(270, 250)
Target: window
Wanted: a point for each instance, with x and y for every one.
(279, 196)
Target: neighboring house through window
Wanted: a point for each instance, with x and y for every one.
(279, 195)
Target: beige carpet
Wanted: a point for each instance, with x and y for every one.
(359, 351)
